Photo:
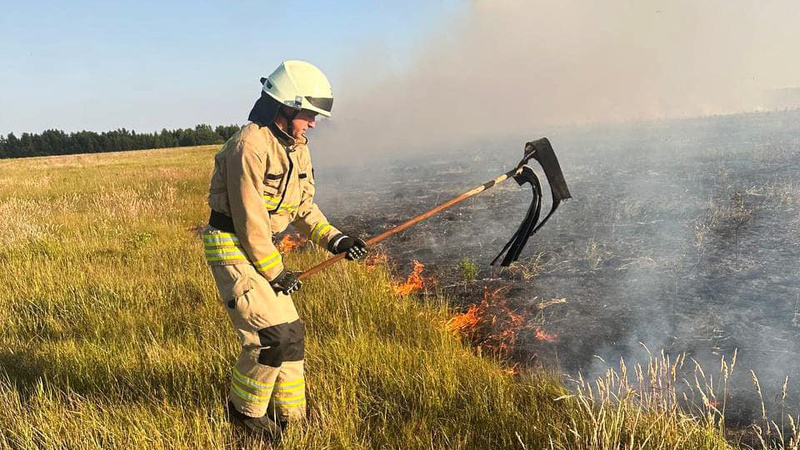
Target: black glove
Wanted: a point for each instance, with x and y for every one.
(355, 247)
(286, 282)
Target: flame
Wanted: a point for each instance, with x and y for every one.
(464, 324)
(290, 242)
(375, 259)
(413, 283)
(492, 325)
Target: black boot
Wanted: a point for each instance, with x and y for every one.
(258, 425)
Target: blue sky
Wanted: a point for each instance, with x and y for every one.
(101, 65)
(446, 69)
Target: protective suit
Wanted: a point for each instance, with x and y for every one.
(263, 181)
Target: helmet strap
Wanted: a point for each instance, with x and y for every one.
(289, 118)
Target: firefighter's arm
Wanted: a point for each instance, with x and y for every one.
(311, 222)
(245, 170)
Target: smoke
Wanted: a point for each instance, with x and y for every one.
(627, 246)
(512, 67)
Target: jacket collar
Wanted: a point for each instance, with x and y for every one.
(284, 138)
(281, 136)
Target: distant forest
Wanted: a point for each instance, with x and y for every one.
(57, 142)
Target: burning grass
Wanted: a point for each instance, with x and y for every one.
(493, 327)
(414, 282)
(290, 242)
(375, 259)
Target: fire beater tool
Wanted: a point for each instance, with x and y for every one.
(539, 150)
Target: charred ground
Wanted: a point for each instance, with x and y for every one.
(682, 235)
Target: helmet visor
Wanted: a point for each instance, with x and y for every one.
(323, 103)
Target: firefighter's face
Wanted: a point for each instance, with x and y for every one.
(305, 119)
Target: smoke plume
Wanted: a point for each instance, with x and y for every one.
(513, 67)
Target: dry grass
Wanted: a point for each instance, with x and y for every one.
(113, 337)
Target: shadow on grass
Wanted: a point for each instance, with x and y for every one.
(118, 381)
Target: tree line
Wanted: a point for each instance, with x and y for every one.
(57, 142)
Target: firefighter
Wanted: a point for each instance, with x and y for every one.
(263, 181)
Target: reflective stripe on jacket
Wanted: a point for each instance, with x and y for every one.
(264, 183)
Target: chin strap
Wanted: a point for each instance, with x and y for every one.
(289, 119)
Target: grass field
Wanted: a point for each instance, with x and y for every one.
(113, 337)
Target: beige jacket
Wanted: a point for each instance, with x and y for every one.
(264, 183)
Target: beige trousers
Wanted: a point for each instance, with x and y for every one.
(268, 375)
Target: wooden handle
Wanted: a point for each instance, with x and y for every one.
(415, 220)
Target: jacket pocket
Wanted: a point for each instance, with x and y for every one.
(273, 181)
(240, 289)
(272, 190)
(233, 283)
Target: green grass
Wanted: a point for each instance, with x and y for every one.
(113, 336)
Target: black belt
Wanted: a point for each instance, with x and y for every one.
(221, 222)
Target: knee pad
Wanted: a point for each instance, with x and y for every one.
(283, 342)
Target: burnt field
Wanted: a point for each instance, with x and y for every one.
(682, 236)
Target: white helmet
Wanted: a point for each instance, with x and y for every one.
(300, 85)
